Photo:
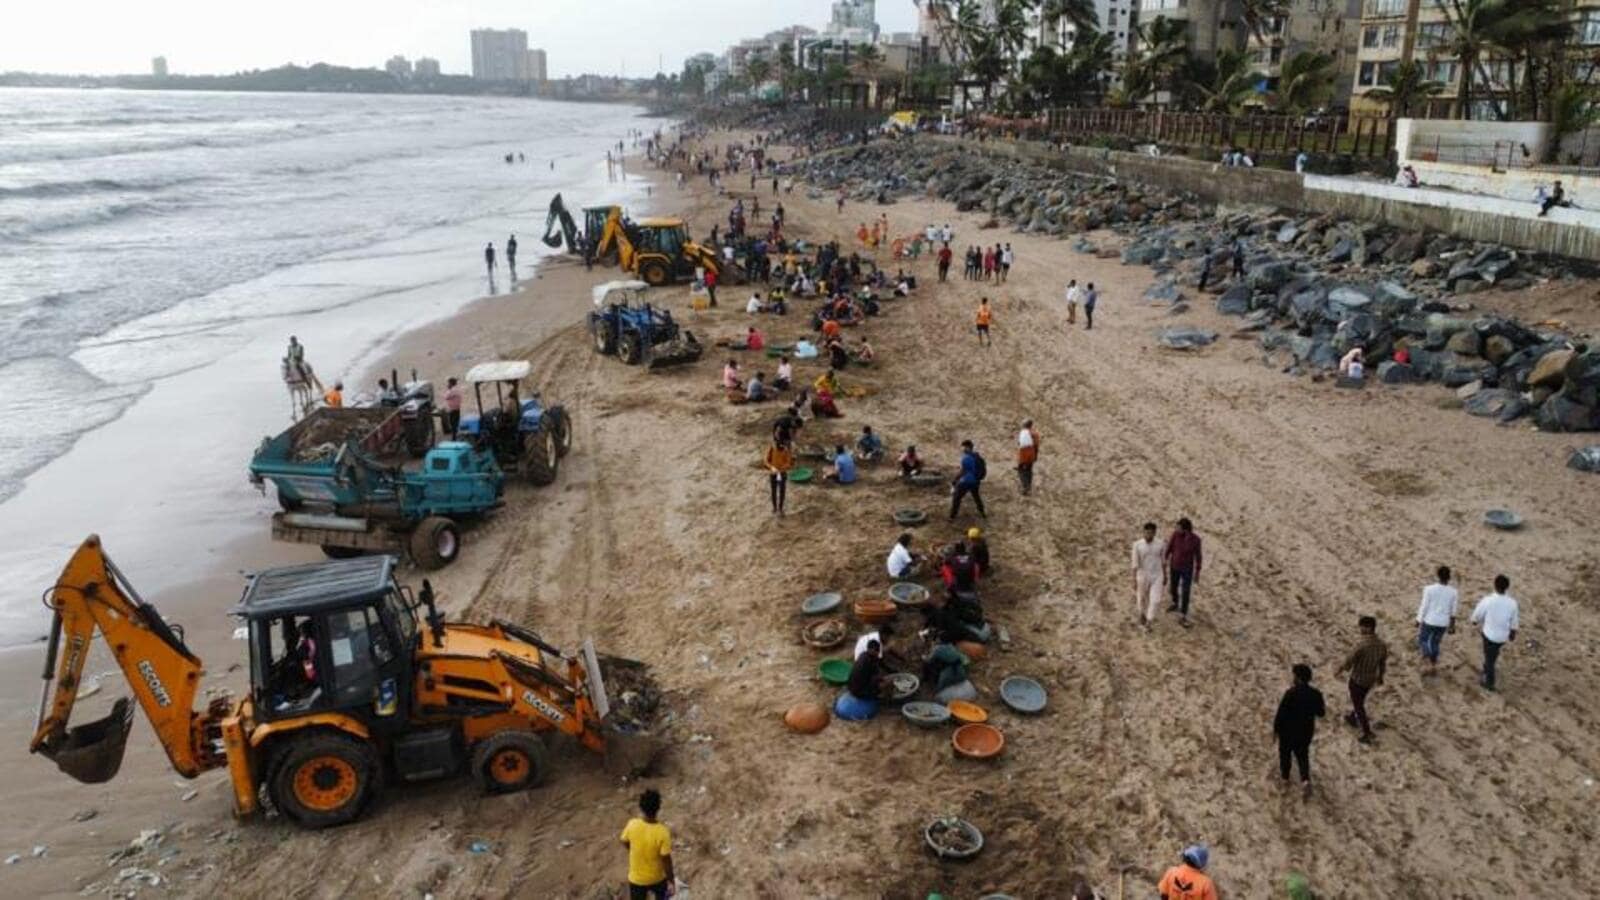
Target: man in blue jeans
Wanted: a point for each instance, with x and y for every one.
(1183, 558)
(1436, 615)
(1498, 616)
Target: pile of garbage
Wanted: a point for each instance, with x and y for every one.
(1316, 287)
(1032, 198)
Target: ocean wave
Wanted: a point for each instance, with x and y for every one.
(93, 186)
(16, 228)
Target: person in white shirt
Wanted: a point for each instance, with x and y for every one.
(1072, 301)
(755, 306)
(1436, 615)
(932, 233)
(949, 233)
(1352, 365)
(1497, 616)
(902, 562)
(1149, 574)
(881, 634)
(1027, 455)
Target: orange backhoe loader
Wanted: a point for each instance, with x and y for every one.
(348, 686)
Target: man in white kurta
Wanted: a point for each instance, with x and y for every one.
(1149, 574)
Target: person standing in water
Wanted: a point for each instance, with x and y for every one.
(511, 254)
(488, 257)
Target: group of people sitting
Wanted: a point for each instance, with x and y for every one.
(950, 618)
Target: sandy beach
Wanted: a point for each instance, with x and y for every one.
(1316, 506)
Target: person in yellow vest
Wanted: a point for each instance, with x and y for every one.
(649, 846)
(334, 398)
(985, 318)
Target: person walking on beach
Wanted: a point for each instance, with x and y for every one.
(1090, 296)
(969, 481)
(944, 262)
(1498, 616)
(1435, 616)
(1296, 724)
(1027, 455)
(710, 281)
(649, 846)
(511, 254)
(1183, 557)
(779, 461)
(1005, 263)
(1149, 574)
(1366, 664)
(984, 318)
(1072, 300)
(450, 422)
(488, 257)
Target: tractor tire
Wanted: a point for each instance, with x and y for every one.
(510, 761)
(334, 552)
(629, 349)
(539, 458)
(562, 423)
(605, 343)
(655, 273)
(435, 542)
(321, 778)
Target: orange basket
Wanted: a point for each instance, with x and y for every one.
(967, 713)
(978, 741)
(875, 611)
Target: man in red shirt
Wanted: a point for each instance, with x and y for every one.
(944, 262)
(711, 286)
(1183, 560)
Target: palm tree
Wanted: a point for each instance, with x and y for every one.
(868, 60)
(756, 69)
(1080, 15)
(1305, 82)
(1091, 58)
(1257, 13)
(1232, 80)
(1404, 86)
(1572, 109)
(1011, 26)
(1163, 50)
(1484, 27)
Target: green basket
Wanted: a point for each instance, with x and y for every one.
(834, 670)
(800, 475)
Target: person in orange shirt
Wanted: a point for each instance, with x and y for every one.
(779, 461)
(1188, 880)
(830, 329)
(861, 233)
(985, 318)
(334, 398)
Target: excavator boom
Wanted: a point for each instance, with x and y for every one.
(92, 595)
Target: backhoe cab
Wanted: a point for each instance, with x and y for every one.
(349, 686)
(657, 250)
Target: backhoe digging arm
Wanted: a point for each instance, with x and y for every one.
(164, 676)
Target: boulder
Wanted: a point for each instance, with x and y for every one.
(1235, 301)
(1288, 233)
(1341, 252)
(1464, 342)
(1424, 268)
(1585, 459)
(1561, 413)
(1141, 254)
(1407, 247)
(1270, 275)
(1349, 298)
(1184, 338)
(1497, 348)
(1494, 403)
(1461, 374)
(1551, 368)
(1391, 372)
(1164, 290)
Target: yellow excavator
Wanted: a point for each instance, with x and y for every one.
(348, 684)
(657, 250)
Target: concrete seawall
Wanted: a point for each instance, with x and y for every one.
(1566, 232)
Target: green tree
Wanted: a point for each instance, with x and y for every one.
(757, 69)
(1232, 79)
(1257, 13)
(1406, 85)
(1510, 29)
(1162, 53)
(1305, 83)
(1079, 14)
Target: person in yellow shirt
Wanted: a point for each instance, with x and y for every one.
(984, 320)
(649, 846)
(779, 460)
(334, 398)
(827, 381)
(1188, 880)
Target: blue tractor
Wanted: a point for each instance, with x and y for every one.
(525, 436)
(625, 324)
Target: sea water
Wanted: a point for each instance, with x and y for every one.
(171, 241)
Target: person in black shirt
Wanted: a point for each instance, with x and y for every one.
(1296, 724)
(866, 673)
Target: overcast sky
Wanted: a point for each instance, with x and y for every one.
(221, 36)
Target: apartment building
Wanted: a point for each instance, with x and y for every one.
(1117, 18)
(500, 55)
(1311, 26)
(1213, 25)
(1421, 30)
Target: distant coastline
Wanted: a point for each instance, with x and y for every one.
(328, 79)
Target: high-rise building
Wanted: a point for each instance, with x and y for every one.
(426, 67)
(538, 66)
(1116, 18)
(158, 67)
(398, 66)
(1311, 26)
(500, 55)
(855, 21)
(1211, 25)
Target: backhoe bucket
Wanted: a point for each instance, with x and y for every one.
(92, 752)
(678, 353)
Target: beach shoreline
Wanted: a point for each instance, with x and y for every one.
(656, 541)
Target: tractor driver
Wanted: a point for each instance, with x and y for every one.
(294, 675)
